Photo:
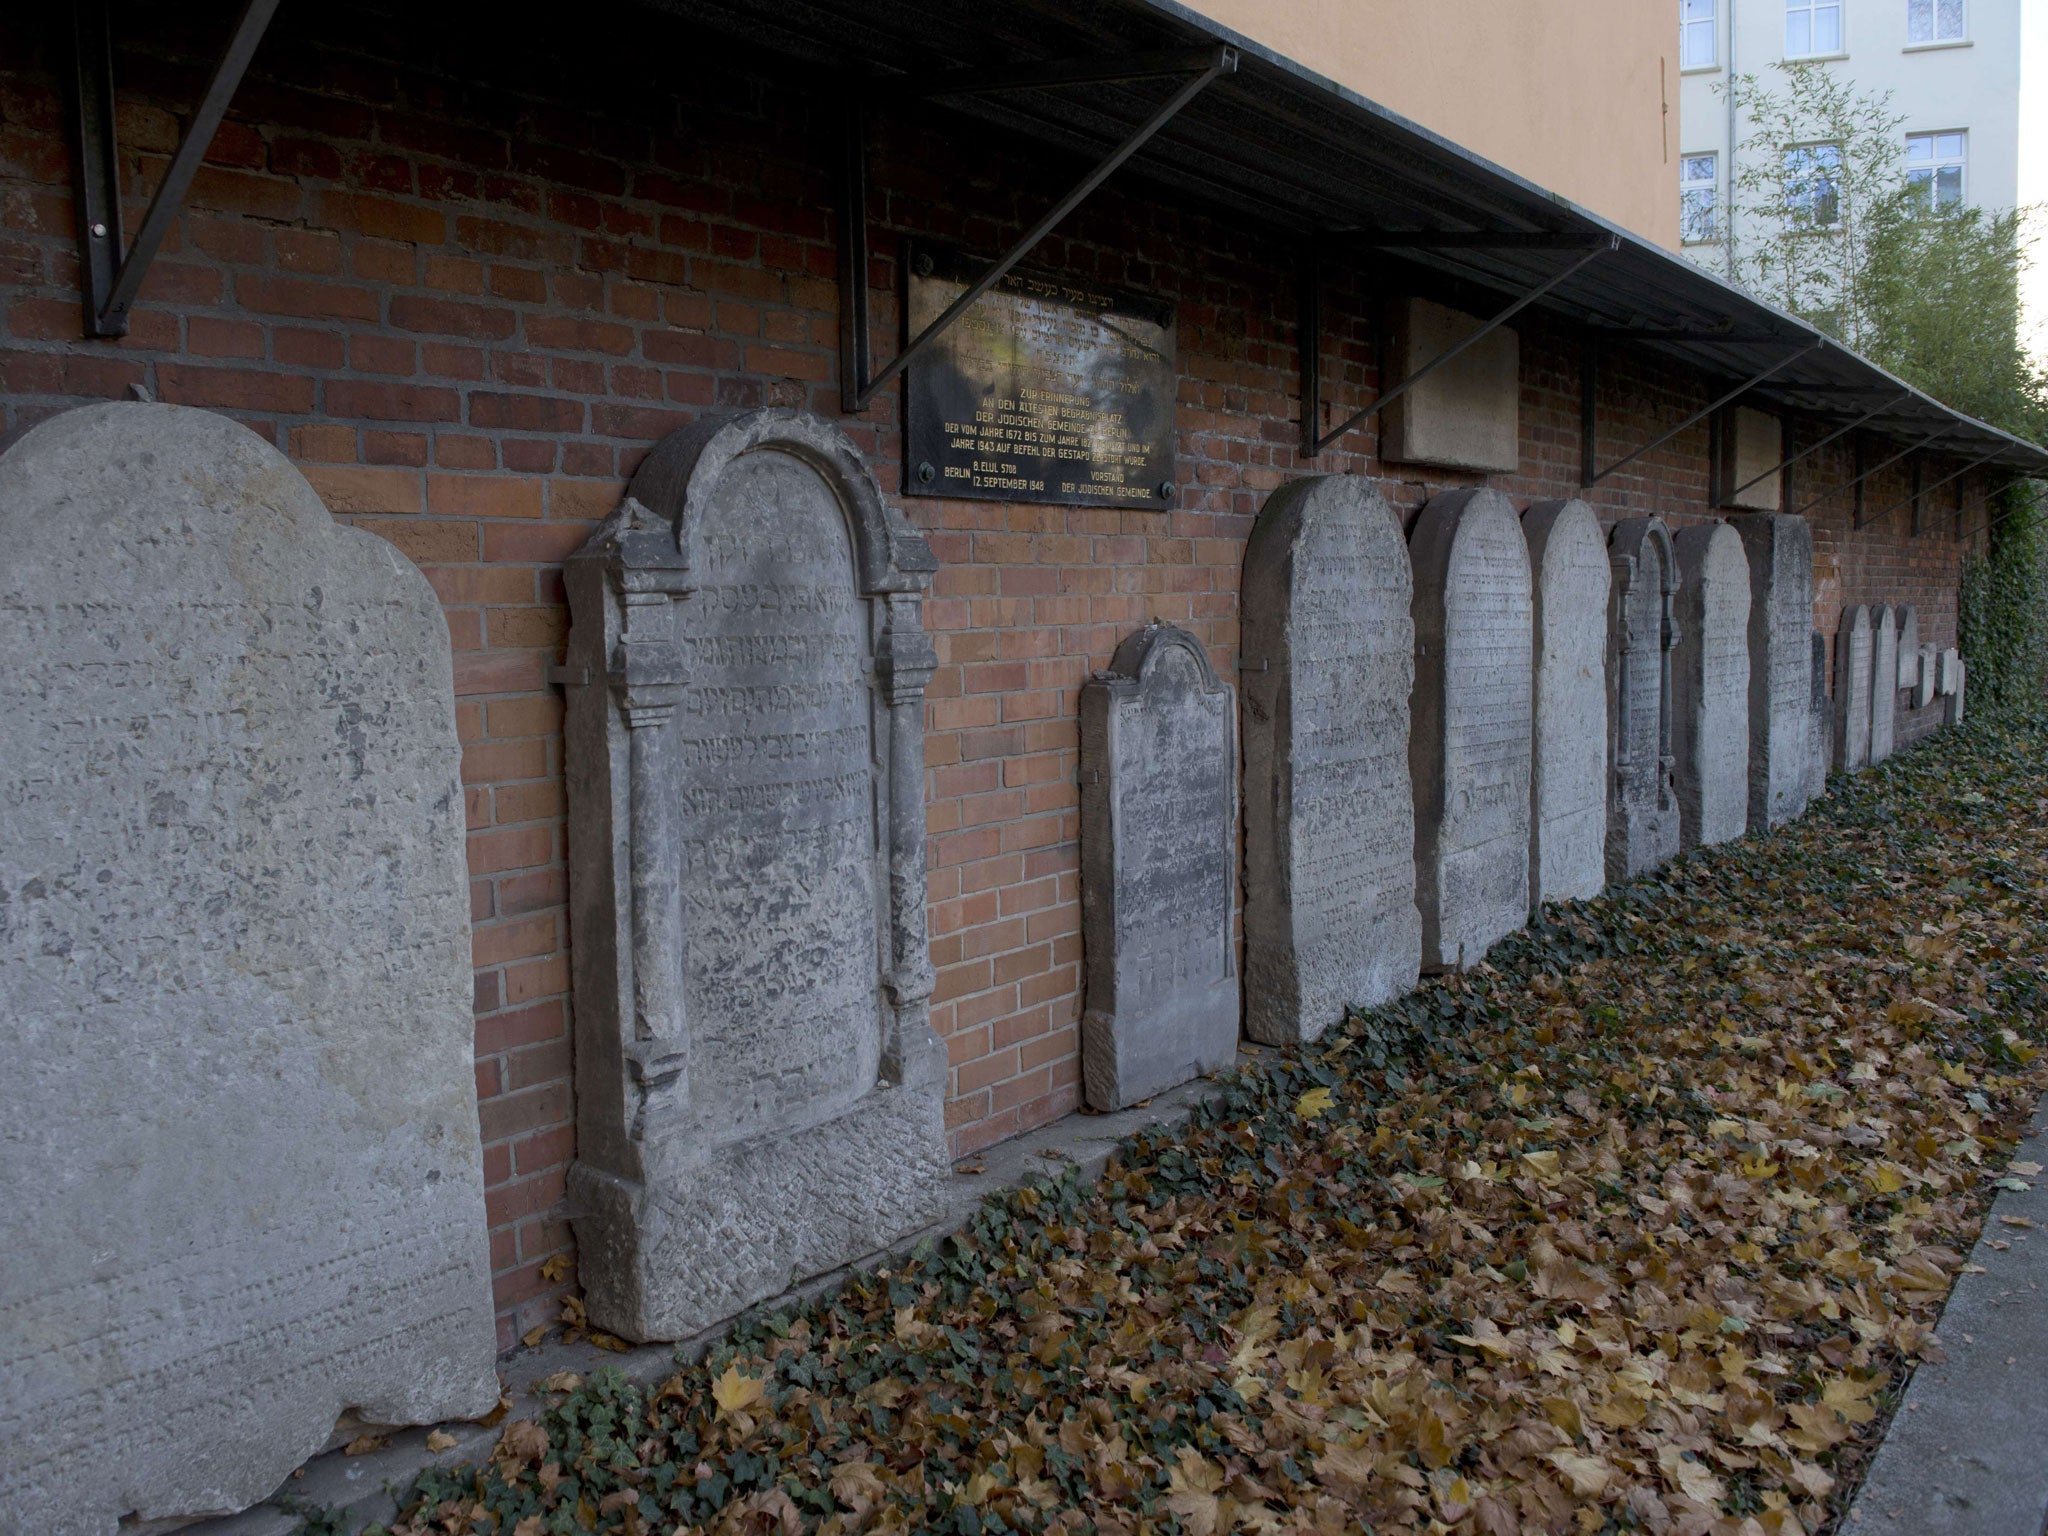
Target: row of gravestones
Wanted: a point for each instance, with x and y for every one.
(243, 1160)
(1877, 643)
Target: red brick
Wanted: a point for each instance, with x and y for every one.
(452, 317)
(392, 402)
(241, 389)
(305, 298)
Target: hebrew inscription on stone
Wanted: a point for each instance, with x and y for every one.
(1158, 869)
(1884, 684)
(1642, 806)
(1329, 659)
(1568, 787)
(1852, 690)
(1710, 684)
(1779, 547)
(244, 1182)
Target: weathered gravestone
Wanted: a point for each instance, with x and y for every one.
(1852, 690)
(1469, 725)
(1642, 805)
(1907, 619)
(1710, 685)
(1568, 774)
(1955, 675)
(1781, 733)
(1948, 665)
(759, 1090)
(244, 1183)
(1930, 668)
(1821, 723)
(1158, 869)
(1329, 659)
(1884, 684)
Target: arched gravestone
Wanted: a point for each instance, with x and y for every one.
(1469, 730)
(1710, 685)
(1568, 774)
(1821, 723)
(1781, 733)
(1852, 690)
(1329, 660)
(244, 1183)
(1642, 806)
(1907, 621)
(1884, 684)
(1158, 869)
(759, 1091)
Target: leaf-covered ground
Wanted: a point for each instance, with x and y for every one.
(1637, 1228)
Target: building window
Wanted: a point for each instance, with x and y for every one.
(1934, 21)
(1696, 34)
(1812, 27)
(1698, 189)
(1813, 193)
(1934, 170)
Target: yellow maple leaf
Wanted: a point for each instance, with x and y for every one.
(1313, 1103)
(734, 1392)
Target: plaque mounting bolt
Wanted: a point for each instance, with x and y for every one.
(1166, 490)
(926, 474)
(922, 264)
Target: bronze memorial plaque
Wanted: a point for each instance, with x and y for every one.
(1046, 390)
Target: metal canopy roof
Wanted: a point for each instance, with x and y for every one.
(1298, 152)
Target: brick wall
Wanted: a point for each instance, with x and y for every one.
(464, 279)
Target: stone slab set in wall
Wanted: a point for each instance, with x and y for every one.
(1884, 684)
(1642, 804)
(1328, 658)
(1710, 685)
(1568, 760)
(1750, 444)
(759, 1092)
(1930, 666)
(1853, 650)
(1158, 869)
(1779, 548)
(244, 1181)
(1821, 761)
(1469, 725)
(1465, 414)
(1907, 619)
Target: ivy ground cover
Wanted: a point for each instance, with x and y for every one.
(1638, 1227)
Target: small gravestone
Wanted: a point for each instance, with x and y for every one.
(1884, 684)
(1958, 675)
(1158, 869)
(1781, 733)
(1930, 663)
(1329, 660)
(1852, 690)
(244, 1182)
(1949, 666)
(1568, 774)
(1642, 806)
(759, 1092)
(1469, 731)
(1820, 722)
(1710, 685)
(1907, 620)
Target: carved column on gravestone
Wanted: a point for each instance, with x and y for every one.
(244, 1184)
(1158, 869)
(1710, 686)
(1852, 690)
(1821, 722)
(1469, 725)
(759, 1093)
(1642, 826)
(1779, 548)
(1329, 661)
(1568, 772)
(1884, 684)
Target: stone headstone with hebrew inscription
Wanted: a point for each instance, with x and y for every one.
(244, 1182)
(1821, 721)
(1852, 690)
(759, 1091)
(1568, 771)
(1158, 869)
(1779, 548)
(1906, 620)
(1958, 673)
(1930, 665)
(1469, 725)
(1884, 684)
(1329, 660)
(1710, 686)
(1642, 806)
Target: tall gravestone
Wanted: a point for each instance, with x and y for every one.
(1821, 722)
(1779, 548)
(759, 1091)
(1907, 621)
(1642, 805)
(1924, 691)
(1852, 690)
(1884, 684)
(1158, 869)
(1469, 724)
(1568, 772)
(244, 1182)
(1710, 685)
(1329, 660)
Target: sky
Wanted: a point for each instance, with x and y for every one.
(2034, 165)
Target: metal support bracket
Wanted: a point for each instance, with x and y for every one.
(857, 387)
(1313, 441)
(110, 280)
(1588, 476)
(1863, 474)
(1807, 452)
(1920, 490)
